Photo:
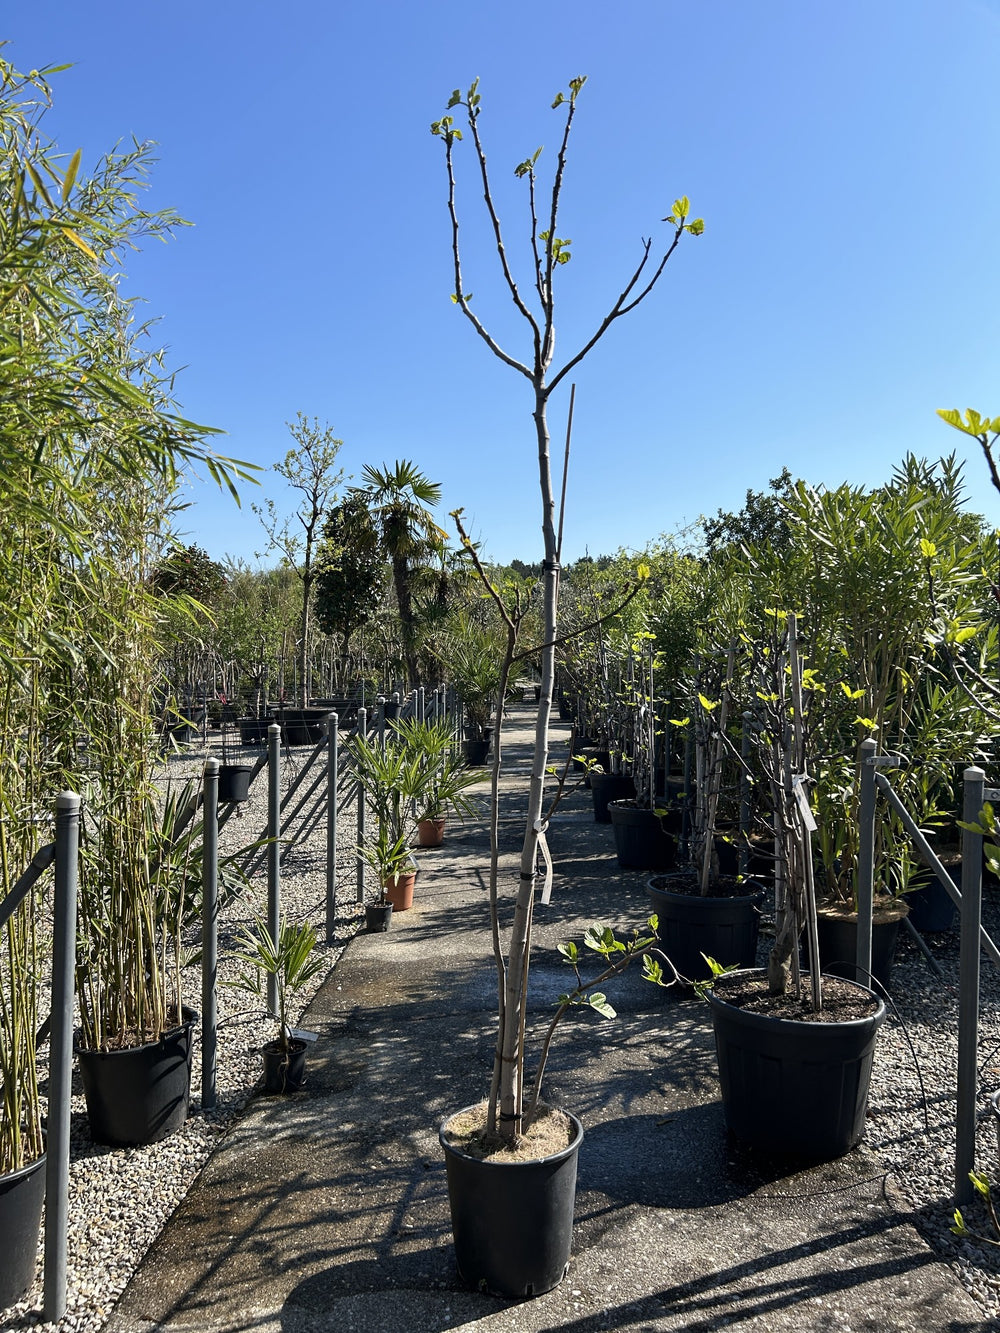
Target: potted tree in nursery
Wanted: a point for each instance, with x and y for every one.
(518, 1243)
(702, 912)
(290, 961)
(396, 871)
(795, 1049)
(473, 651)
(395, 779)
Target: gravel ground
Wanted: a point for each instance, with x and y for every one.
(910, 1122)
(120, 1198)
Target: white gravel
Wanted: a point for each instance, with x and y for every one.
(121, 1198)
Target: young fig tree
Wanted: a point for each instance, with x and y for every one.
(536, 304)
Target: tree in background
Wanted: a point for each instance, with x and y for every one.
(400, 500)
(350, 570)
(311, 468)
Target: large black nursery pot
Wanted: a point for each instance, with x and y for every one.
(139, 1094)
(22, 1194)
(253, 730)
(721, 927)
(789, 1086)
(931, 906)
(838, 945)
(302, 726)
(512, 1221)
(641, 837)
(605, 787)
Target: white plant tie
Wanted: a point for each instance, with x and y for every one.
(541, 827)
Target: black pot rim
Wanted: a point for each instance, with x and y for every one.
(10, 1178)
(189, 1018)
(493, 1164)
(798, 1024)
(756, 896)
(295, 1044)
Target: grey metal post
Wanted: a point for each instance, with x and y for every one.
(968, 986)
(332, 761)
(421, 704)
(362, 731)
(744, 849)
(61, 1053)
(273, 849)
(866, 861)
(380, 723)
(209, 934)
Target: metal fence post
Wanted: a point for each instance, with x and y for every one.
(332, 761)
(273, 850)
(968, 985)
(61, 1053)
(209, 933)
(866, 861)
(362, 731)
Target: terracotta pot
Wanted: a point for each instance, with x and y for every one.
(399, 890)
(430, 832)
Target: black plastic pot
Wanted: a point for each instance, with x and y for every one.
(253, 730)
(838, 948)
(791, 1087)
(284, 1071)
(139, 1094)
(377, 917)
(302, 726)
(721, 928)
(931, 907)
(513, 1221)
(234, 783)
(607, 787)
(476, 752)
(641, 840)
(22, 1194)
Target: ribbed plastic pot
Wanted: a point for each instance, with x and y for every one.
(22, 1194)
(721, 928)
(640, 839)
(513, 1221)
(139, 1094)
(605, 787)
(791, 1087)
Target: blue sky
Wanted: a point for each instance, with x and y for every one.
(844, 158)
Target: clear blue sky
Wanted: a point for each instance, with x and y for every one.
(844, 158)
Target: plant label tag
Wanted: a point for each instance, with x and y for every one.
(802, 801)
(303, 1034)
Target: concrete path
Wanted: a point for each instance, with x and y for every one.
(329, 1210)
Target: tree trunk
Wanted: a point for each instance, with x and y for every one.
(404, 602)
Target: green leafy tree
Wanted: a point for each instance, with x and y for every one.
(351, 570)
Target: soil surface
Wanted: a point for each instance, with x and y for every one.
(842, 1001)
(550, 1132)
(719, 886)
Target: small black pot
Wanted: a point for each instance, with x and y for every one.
(21, 1196)
(605, 787)
(139, 1094)
(476, 752)
(253, 730)
(234, 783)
(284, 1071)
(690, 926)
(791, 1087)
(377, 917)
(513, 1221)
(641, 840)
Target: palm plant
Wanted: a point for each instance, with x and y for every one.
(288, 959)
(399, 500)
